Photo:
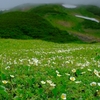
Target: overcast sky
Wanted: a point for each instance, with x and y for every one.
(4, 4)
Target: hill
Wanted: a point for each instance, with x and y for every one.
(28, 25)
(52, 22)
(65, 19)
(24, 7)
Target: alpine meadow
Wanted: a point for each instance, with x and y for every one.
(50, 52)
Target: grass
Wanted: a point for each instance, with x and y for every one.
(40, 70)
(65, 19)
(28, 25)
(51, 22)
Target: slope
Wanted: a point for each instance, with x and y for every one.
(65, 19)
(28, 25)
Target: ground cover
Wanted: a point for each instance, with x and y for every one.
(40, 70)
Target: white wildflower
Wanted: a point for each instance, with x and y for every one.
(58, 75)
(43, 82)
(36, 61)
(83, 73)
(73, 70)
(4, 82)
(63, 96)
(93, 84)
(77, 82)
(57, 71)
(72, 78)
(49, 81)
(98, 84)
(95, 72)
(7, 67)
(12, 76)
(67, 74)
(89, 70)
(52, 84)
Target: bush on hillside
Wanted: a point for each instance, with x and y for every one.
(94, 9)
(91, 24)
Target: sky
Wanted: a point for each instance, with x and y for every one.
(6, 4)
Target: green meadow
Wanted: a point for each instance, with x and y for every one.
(41, 70)
(47, 53)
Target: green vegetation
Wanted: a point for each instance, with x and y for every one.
(90, 24)
(65, 19)
(54, 9)
(1, 12)
(94, 9)
(44, 60)
(40, 70)
(50, 22)
(27, 25)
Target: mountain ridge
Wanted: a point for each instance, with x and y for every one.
(64, 20)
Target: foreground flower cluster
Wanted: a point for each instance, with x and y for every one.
(49, 71)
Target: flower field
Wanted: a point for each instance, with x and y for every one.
(40, 70)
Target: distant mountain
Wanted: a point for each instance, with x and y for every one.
(24, 7)
(1, 12)
(65, 19)
(51, 22)
(28, 25)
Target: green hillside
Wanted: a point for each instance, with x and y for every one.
(94, 9)
(28, 25)
(65, 19)
(24, 7)
(48, 53)
(51, 22)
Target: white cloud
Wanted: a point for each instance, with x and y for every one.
(11, 3)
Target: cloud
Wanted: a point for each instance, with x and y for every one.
(4, 4)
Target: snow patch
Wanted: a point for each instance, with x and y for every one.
(88, 18)
(68, 6)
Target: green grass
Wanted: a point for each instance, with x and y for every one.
(29, 25)
(50, 22)
(27, 65)
(65, 19)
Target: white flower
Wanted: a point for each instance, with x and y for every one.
(87, 63)
(73, 70)
(82, 67)
(7, 67)
(89, 70)
(83, 72)
(36, 61)
(43, 82)
(63, 96)
(12, 76)
(72, 78)
(98, 92)
(58, 75)
(93, 84)
(67, 74)
(98, 75)
(4, 82)
(98, 65)
(52, 84)
(57, 72)
(77, 82)
(98, 84)
(49, 81)
(95, 72)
